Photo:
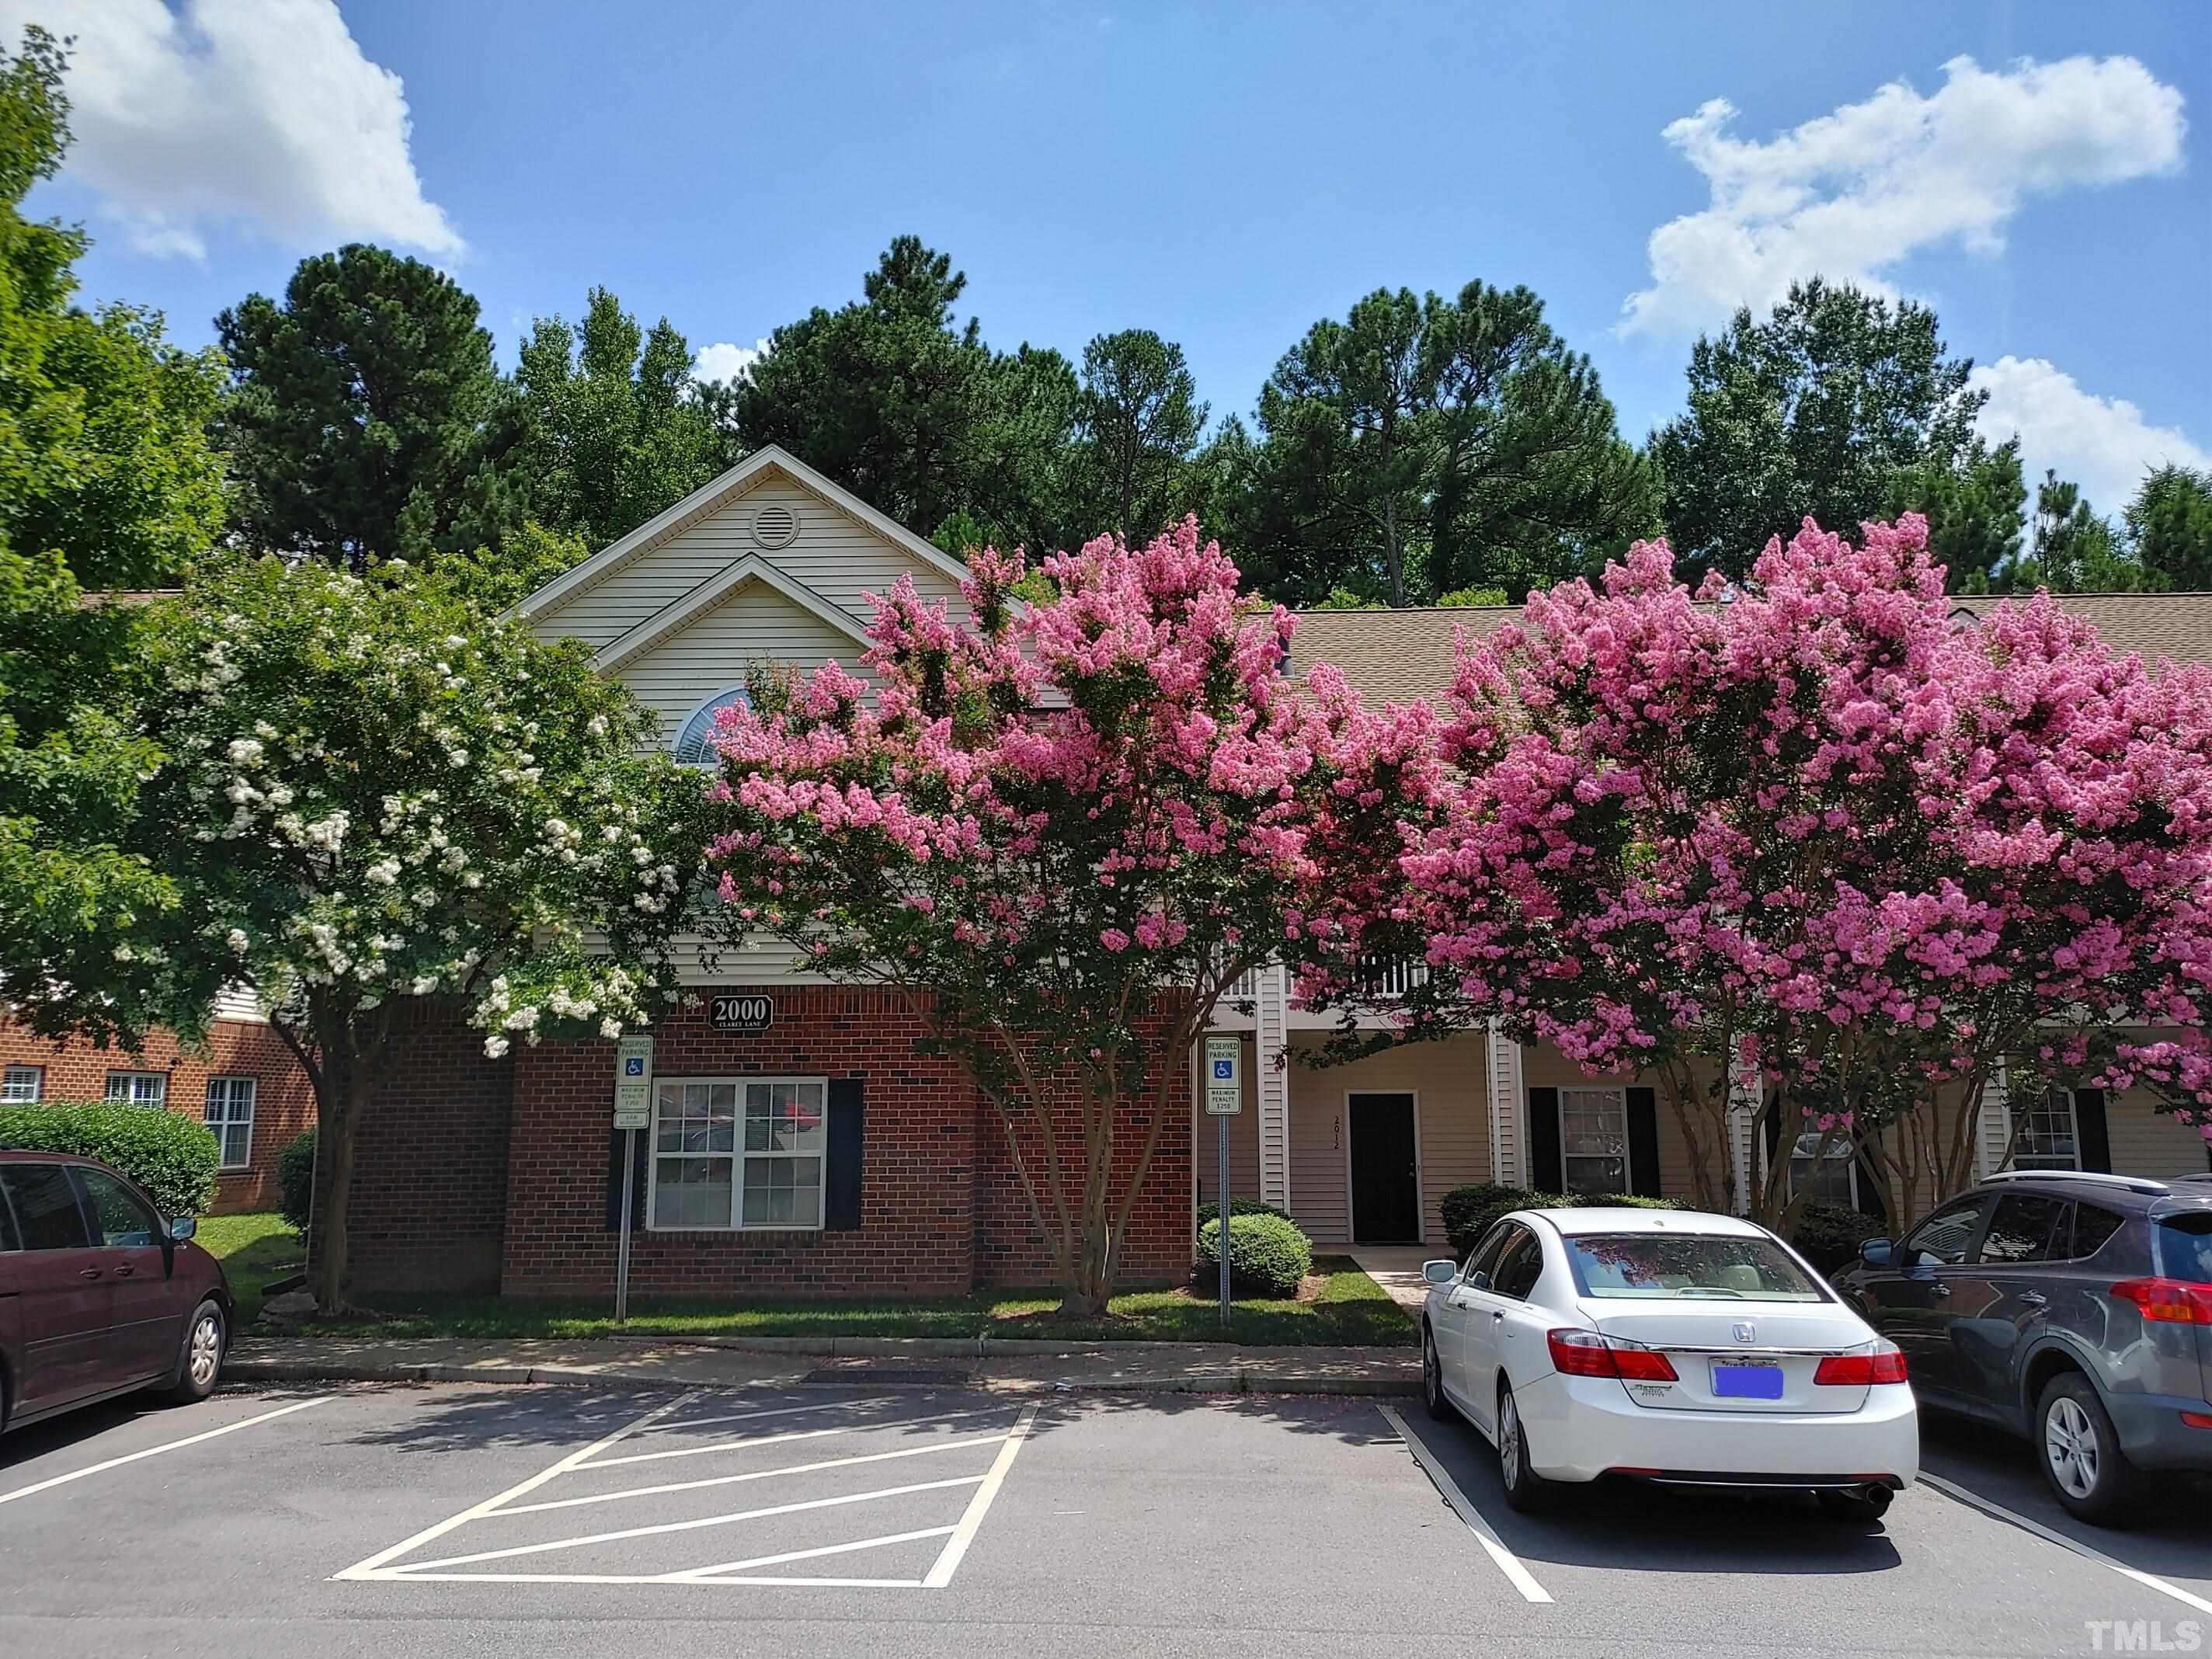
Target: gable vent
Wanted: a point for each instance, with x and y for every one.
(775, 526)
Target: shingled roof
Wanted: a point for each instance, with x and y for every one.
(1396, 656)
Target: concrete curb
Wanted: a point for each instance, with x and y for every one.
(1237, 1382)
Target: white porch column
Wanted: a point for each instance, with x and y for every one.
(1744, 1101)
(1508, 1137)
(1993, 1132)
(1271, 1039)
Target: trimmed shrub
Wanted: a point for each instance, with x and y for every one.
(1477, 1208)
(295, 1179)
(1829, 1235)
(1267, 1256)
(173, 1157)
(1240, 1207)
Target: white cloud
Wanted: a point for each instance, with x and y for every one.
(2103, 444)
(1849, 195)
(723, 362)
(259, 113)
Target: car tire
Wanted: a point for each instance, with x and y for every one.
(1861, 1508)
(2080, 1451)
(1526, 1491)
(199, 1359)
(1432, 1379)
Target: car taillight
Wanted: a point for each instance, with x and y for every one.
(1586, 1354)
(2169, 1301)
(1861, 1371)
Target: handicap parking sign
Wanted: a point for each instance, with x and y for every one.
(633, 1064)
(1224, 1069)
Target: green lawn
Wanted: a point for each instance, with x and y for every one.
(1352, 1309)
(254, 1250)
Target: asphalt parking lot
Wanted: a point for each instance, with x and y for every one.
(459, 1520)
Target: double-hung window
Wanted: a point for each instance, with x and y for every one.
(139, 1088)
(20, 1085)
(738, 1152)
(1594, 1140)
(1830, 1177)
(2044, 1138)
(230, 1118)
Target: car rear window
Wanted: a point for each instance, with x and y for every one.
(2093, 1224)
(1690, 1265)
(2185, 1246)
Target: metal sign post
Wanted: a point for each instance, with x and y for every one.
(1225, 1099)
(632, 1113)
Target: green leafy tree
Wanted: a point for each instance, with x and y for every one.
(1138, 423)
(2074, 549)
(106, 481)
(1974, 506)
(1426, 445)
(376, 795)
(885, 394)
(1815, 411)
(611, 432)
(1017, 461)
(364, 412)
(2169, 524)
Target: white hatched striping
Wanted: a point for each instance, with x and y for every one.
(694, 1574)
(749, 1474)
(746, 1443)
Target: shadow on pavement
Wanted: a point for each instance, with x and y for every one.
(2169, 1534)
(1641, 1528)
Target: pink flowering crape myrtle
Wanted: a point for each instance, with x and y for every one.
(1814, 835)
(1064, 825)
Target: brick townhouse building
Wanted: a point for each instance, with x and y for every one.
(799, 1145)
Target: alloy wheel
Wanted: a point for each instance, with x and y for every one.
(206, 1352)
(1509, 1440)
(2069, 1441)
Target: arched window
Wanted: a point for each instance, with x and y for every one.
(695, 744)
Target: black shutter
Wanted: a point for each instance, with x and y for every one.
(1545, 1171)
(841, 1183)
(2092, 1140)
(615, 1138)
(1643, 1143)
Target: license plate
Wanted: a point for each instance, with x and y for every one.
(1746, 1379)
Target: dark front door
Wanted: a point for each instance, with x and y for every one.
(1386, 1198)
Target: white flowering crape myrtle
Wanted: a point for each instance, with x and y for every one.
(373, 792)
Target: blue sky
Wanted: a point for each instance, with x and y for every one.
(1225, 174)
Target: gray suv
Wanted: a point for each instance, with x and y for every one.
(2073, 1309)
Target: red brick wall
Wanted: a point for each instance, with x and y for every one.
(428, 1211)
(283, 1104)
(1010, 1249)
(918, 1159)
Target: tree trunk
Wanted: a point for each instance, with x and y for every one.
(341, 1094)
(1090, 1284)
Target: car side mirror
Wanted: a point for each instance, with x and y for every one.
(1439, 1272)
(181, 1228)
(1877, 1252)
(1478, 1280)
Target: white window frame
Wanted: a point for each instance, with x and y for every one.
(1841, 1149)
(229, 1093)
(2023, 1159)
(134, 1090)
(738, 1156)
(1619, 1099)
(708, 758)
(23, 1085)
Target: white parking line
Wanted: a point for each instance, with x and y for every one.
(696, 1574)
(1507, 1563)
(2149, 1581)
(374, 1567)
(731, 1519)
(749, 1474)
(745, 1442)
(773, 1411)
(963, 1535)
(155, 1451)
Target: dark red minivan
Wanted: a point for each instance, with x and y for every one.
(98, 1295)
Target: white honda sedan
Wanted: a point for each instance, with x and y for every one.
(1669, 1345)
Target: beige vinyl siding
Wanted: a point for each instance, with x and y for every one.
(1243, 1139)
(755, 624)
(1447, 1083)
(2149, 1142)
(836, 557)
